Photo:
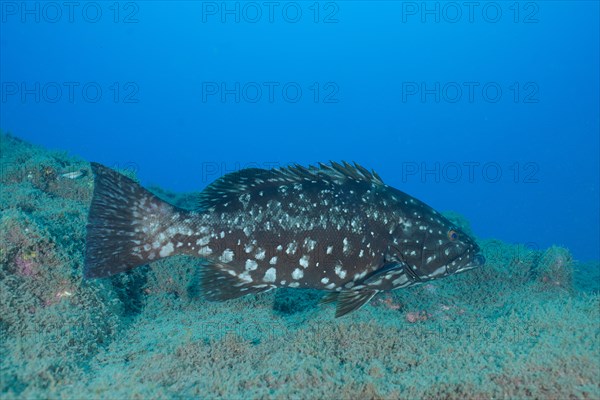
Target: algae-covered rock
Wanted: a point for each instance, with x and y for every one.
(555, 269)
(52, 321)
(290, 301)
(586, 276)
(519, 327)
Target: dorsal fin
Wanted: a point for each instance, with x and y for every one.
(231, 186)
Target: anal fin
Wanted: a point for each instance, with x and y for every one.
(218, 284)
(349, 300)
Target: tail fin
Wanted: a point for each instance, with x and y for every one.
(124, 223)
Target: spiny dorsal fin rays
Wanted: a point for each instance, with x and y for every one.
(355, 171)
(232, 184)
(229, 187)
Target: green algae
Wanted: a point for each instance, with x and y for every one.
(526, 325)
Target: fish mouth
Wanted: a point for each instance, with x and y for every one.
(478, 260)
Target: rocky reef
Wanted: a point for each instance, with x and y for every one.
(525, 326)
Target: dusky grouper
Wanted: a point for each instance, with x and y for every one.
(333, 227)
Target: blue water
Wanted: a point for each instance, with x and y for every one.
(492, 111)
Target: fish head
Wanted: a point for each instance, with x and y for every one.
(432, 247)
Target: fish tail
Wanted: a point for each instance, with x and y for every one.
(126, 225)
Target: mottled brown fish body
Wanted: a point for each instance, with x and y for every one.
(337, 228)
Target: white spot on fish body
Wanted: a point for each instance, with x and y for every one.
(260, 254)
(329, 249)
(227, 256)
(340, 272)
(324, 281)
(166, 250)
(360, 275)
(270, 275)
(245, 276)
(251, 265)
(440, 271)
(205, 251)
(291, 248)
(310, 244)
(297, 274)
(273, 260)
(304, 261)
(203, 241)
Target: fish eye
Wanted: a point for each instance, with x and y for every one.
(452, 235)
